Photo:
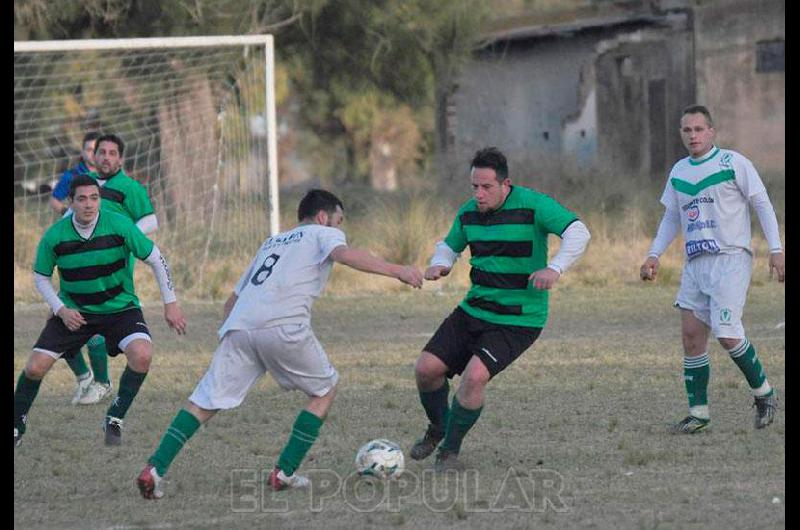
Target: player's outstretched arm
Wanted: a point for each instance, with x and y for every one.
(364, 261)
(173, 314)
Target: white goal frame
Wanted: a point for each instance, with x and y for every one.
(194, 42)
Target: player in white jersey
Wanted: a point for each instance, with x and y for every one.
(707, 199)
(267, 329)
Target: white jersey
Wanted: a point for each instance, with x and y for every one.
(287, 275)
(711, 195)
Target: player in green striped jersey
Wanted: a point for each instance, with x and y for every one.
(91, 249)
(506, 229)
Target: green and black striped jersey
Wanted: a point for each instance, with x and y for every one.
(124, 195)
(95, 274)
(506, 246)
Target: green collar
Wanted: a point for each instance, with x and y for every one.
(697, 162)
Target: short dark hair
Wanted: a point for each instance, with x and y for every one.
(89, 136)
(491, 157)
(699, 109)
(81, 180)
(111, 138)
(316, 200)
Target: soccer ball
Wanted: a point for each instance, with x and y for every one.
(380, 458)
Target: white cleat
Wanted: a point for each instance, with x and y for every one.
(279, 481)
(81, 387)
(150, 483)
(95, 393)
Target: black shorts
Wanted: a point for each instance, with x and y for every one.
(114, 327)
(461, 336)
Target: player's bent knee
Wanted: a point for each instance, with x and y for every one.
(139, 353)
(429, 367)
(38, 366)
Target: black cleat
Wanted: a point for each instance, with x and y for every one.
(765, 410)
(113, 429)
(446, 461)
(423, 447)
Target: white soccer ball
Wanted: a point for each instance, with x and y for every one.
(380, 458)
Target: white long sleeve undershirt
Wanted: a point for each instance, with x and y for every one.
(148, 224)
(573, 244)
(443, 256)
(45, 288)
(769, 222)
(667, 231)
(160, 268)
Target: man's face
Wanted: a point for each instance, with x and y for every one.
(86, 203)
(697, 135)
(335, 219)
(88, 153)
(487, 191)
(107, 159)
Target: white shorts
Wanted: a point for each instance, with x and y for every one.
(291, 353)
(714, 288)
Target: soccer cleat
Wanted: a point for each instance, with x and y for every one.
(17, 437)
(423, 447)
(81, 386)
(765, 410)
(689, 425)
(446, 461)
(113, 428)
(279, 481)
(150, 483)
(95, 393)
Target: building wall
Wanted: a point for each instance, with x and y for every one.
(520, 97)
(749, 107)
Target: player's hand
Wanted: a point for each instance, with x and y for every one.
(544, 279)
(778, 263)
(649, 269)
(71, 318)
(174, 317)
(410, 275)
(436, 271)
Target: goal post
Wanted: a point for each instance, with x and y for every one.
(198, 118)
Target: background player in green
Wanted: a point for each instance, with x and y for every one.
(506, 229)
(84, 377)
(92, 248)
(707, 198)
(126, 196)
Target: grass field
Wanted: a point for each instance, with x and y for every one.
(586, 408)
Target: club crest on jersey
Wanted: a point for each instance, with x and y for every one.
(693, 213)
(726, 161)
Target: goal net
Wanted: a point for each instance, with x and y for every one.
(197, 116)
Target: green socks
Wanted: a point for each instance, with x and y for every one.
(459, 421)
(696, 372)
(183, 426)
(98, 358)
(435, 405)
(77, 365)
(24, 395)
(304, 433)
(744, 355)
(129, 384)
